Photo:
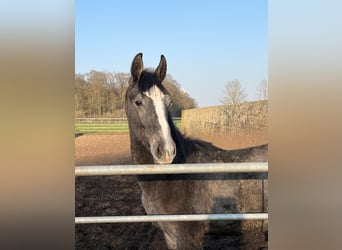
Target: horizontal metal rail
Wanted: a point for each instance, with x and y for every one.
(200, 168)
(156, 218)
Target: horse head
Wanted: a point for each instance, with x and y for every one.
(146, 107)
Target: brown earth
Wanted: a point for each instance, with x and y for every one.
(120, 195)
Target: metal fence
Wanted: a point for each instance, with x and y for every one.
(99, 120)
(107, 125)
(108, 120)
(245, 167)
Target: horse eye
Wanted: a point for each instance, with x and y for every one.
(138, 103)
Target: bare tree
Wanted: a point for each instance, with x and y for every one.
(180, 99)
(262, 91)
(233, 93)
(81, 95)
(121, 85)
(99, 94)
(97, 80)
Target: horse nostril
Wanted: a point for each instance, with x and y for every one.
(159, 152)
(173, 152)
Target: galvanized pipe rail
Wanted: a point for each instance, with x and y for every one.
(198, 168)
(178, 217)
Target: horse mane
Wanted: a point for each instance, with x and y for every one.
(187, 146)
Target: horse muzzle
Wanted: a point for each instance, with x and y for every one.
(164, 153)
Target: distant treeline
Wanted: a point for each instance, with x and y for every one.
(102, 94)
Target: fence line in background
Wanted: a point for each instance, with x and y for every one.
(99, 120)
(107, 120)
(200, 168)
(106, 125)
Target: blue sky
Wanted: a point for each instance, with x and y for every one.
(206, 43)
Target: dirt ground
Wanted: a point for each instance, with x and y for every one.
(120, 195)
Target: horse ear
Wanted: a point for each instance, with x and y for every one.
(137, 67)
(160, 71)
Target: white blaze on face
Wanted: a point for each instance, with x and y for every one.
(157, 97)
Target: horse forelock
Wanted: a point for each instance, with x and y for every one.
(147, 80)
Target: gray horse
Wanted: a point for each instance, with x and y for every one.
(156, 140)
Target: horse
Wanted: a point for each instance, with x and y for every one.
(156, 140)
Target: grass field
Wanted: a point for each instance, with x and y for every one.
(107, 127)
